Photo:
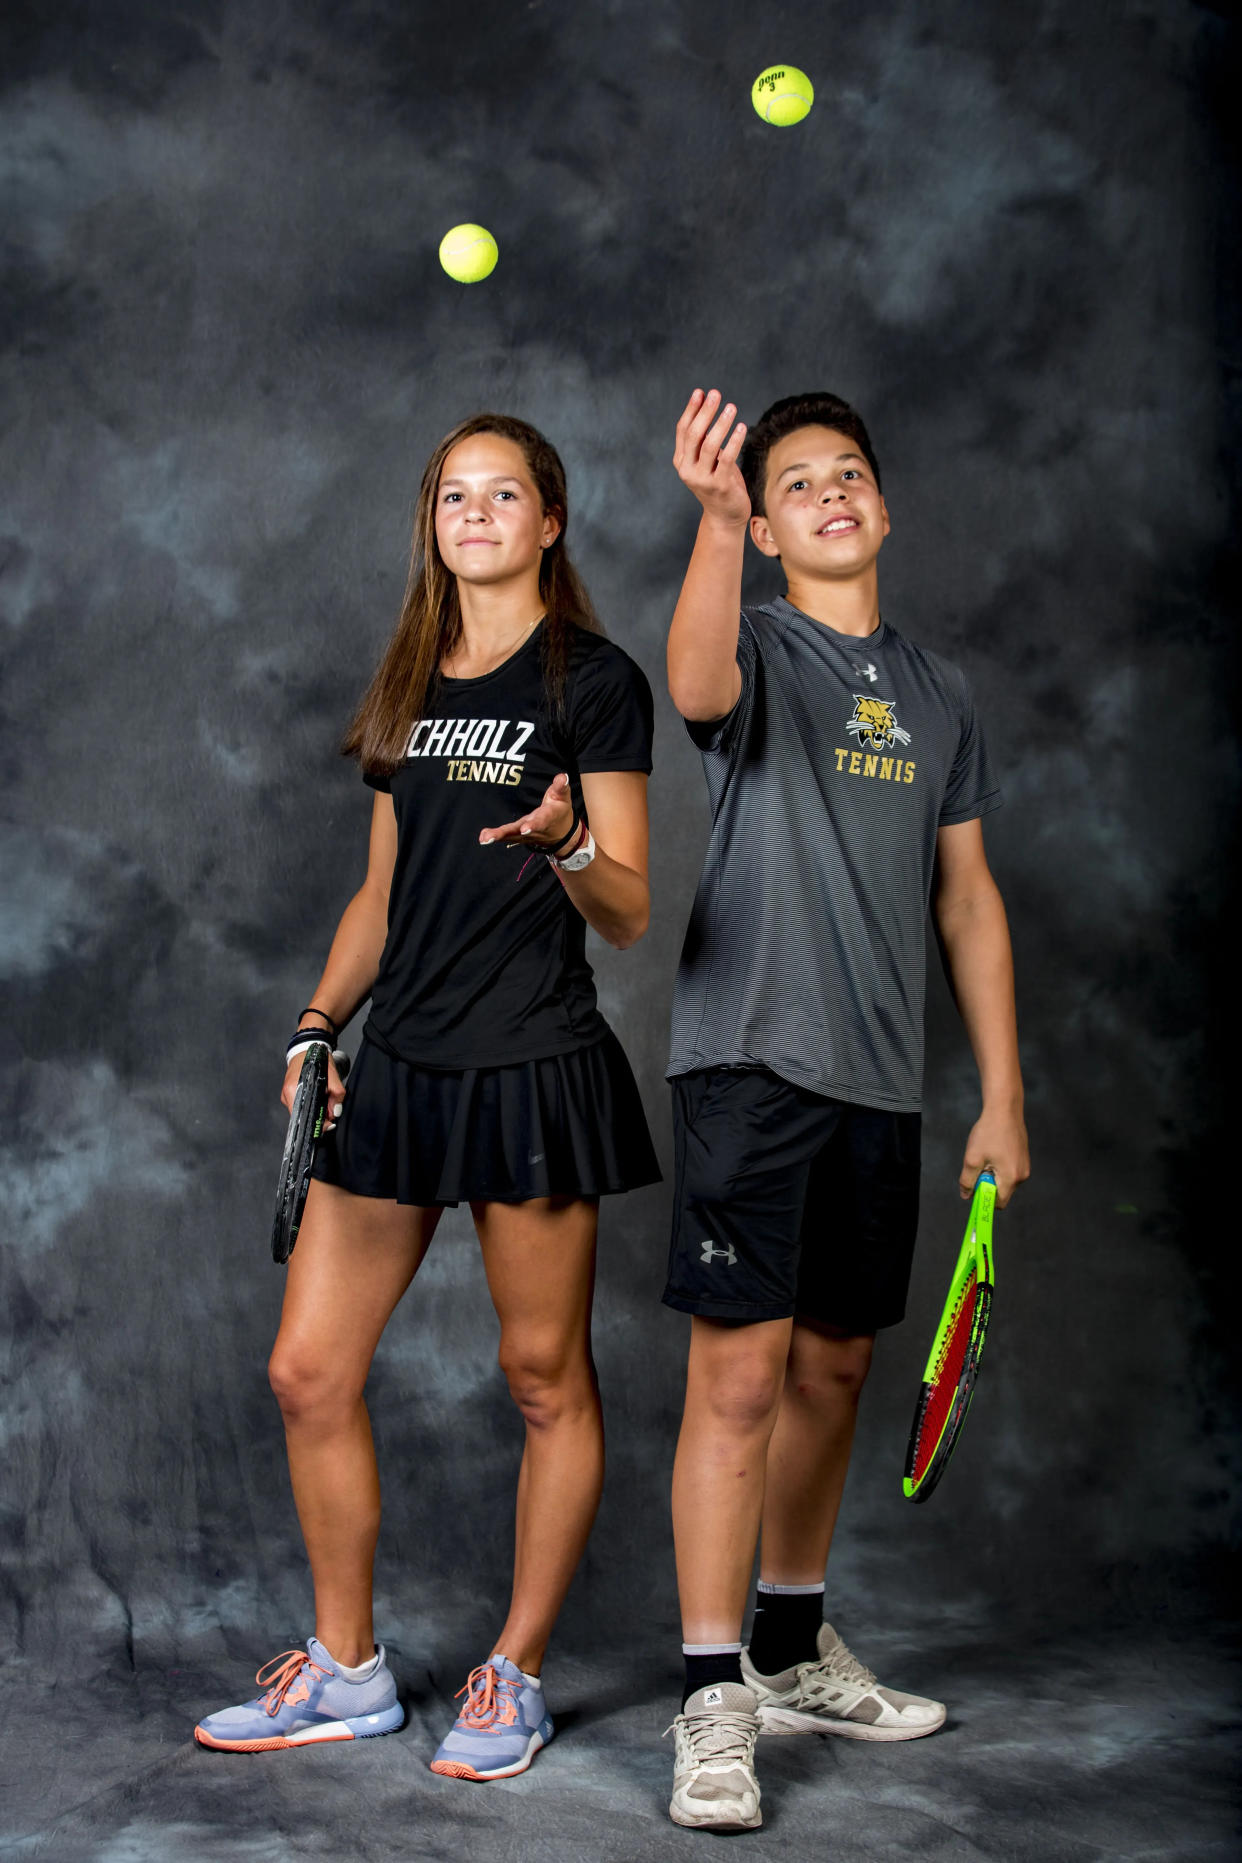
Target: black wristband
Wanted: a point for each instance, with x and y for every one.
(301, 1036)
(553, 848)
(310, 1010)
(575, 846)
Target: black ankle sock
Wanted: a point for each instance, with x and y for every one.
(785, 1628)
(714, 1666)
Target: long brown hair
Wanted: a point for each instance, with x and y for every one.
(430, 624)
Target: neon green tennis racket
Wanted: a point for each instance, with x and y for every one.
(953, 1365)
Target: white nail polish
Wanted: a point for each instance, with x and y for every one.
(337, 1111)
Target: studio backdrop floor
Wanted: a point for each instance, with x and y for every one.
(1066, 1750)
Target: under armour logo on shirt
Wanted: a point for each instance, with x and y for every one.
(865, 672)
(728, 1254)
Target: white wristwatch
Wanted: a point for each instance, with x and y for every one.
(580, 858)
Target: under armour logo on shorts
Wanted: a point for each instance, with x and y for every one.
(727, 1254)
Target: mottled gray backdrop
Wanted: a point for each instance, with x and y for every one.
(227, 350)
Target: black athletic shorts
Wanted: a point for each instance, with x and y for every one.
(789, 1202)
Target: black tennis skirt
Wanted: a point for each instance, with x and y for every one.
(571, 1125)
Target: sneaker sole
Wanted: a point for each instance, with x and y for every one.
(365, 1727)
(795, 1721)
(461, 1769)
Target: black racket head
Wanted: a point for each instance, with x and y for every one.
(306, 1123)
(947, 1402)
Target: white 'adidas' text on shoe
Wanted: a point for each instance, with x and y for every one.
(838, 1695)
(714, 1783)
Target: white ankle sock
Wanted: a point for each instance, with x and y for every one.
(525, 1673)
(790, 1591)
(358, 1673)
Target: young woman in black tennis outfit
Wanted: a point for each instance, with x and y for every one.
(509, 744)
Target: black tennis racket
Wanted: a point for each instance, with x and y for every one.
(953, 1363)
(306, 1122)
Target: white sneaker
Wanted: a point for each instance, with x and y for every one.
(837, 1695)
(714, 1783)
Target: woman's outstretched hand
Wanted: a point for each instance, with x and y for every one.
(544, 826)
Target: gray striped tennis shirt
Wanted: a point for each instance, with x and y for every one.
(828, 782)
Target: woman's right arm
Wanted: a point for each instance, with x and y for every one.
(353, 961)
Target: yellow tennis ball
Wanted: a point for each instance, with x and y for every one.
(782, 95)
(468, 253)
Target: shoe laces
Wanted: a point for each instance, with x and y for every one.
(489, 1698)
(723, 1739)
(813, 1679)
(278, 1676)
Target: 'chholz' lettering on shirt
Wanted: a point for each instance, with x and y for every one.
(470, 737)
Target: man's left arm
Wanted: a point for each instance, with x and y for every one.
(973, 933)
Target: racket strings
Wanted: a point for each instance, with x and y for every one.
(965, 1300)
(944, 1386)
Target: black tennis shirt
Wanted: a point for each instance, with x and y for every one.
(485, 961)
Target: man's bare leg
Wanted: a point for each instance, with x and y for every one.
(734, 1386)
(809, 1453)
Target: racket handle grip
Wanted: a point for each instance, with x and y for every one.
(340, 1060)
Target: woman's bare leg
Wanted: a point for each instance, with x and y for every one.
(354, 1259)
(540, 1263)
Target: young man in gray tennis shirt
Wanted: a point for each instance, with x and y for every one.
(848, 779)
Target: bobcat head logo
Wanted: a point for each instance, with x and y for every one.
(873, 723)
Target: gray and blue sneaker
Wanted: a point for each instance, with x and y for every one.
(501, 1728)
(306, 1700)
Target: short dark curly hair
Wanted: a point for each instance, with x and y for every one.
(785, 417)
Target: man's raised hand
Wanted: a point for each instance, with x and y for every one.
(705, 456)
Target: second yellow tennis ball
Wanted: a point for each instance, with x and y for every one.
(468, 253)
(782, 95)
